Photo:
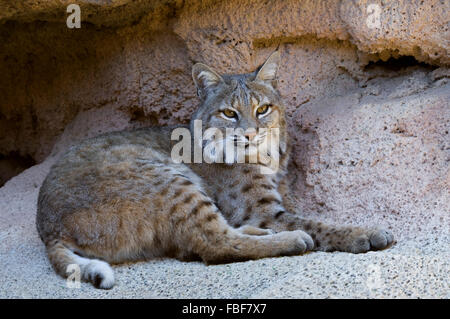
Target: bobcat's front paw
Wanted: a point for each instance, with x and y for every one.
(301, 240)
(373, 239)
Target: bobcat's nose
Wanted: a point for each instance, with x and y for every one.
(250, 135)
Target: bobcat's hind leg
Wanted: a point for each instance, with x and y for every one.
(96, 271)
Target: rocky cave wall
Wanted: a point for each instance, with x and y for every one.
(368, 106)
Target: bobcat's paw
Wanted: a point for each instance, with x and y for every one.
(374, 239)
(380, 238)
(100, 274)
(301, 241)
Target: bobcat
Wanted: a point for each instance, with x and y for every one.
(120, 197)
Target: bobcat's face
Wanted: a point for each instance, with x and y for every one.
(246, 109)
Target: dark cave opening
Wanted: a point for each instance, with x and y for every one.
(397, 64)
(13, 164)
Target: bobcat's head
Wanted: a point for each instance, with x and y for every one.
(248, 103)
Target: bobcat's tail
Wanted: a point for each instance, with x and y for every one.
(96, 271)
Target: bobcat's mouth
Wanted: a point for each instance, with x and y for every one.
(237, 148)
(256, 141)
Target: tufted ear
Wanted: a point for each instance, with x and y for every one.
(205, 79)
(268, 71)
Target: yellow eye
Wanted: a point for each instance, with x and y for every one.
(229, 113)
(263, 109)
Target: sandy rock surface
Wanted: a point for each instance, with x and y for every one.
(416, 266)
(368, 112)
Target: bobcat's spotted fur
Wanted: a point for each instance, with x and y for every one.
(120, 197)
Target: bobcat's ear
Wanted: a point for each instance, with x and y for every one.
(268, 71)
(205, 79)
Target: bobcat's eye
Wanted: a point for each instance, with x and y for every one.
(229, 113)
(263, 109)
